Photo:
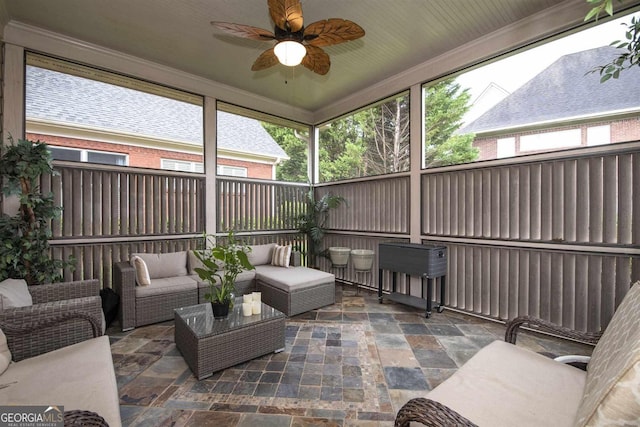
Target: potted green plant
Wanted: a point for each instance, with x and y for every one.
(25, 252)
(221, 264)
(312, 221)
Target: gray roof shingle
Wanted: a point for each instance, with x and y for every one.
(562, 91)
(63, 98)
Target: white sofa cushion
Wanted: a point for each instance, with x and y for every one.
(261, 254)
(162, 265)
(612, 391)
(14, 293)
(294, 278)
(194, 263)
(244, 276)
(5, 353)
(506, 385)
(80, 376)
(167, 285)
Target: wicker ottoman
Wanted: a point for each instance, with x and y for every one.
(295, 290)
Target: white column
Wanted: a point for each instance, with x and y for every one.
(13, 106)
(210, 164)
(415, 145)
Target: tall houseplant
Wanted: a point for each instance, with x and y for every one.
(312, 221)
(25, 252)
(221, 265)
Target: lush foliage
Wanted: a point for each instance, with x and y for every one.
(373, 141)
(295, 144)
(312, 221)
(223, 263)
(445, 104)
(25, 252)
(625, 60)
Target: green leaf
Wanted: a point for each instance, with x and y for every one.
(608, 7)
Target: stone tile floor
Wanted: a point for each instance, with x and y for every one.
(354, 363)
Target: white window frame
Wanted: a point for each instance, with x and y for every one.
(189, 166)
(84, 154)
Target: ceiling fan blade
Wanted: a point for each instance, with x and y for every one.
(286, 14)
(265, 60)
(246, 31)
(332, 31)
(316, 60)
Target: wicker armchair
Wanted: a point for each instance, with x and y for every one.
(23, 328)
(506, 385)
(52, 301)
(431, 413)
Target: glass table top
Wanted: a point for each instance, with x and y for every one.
(199, 318)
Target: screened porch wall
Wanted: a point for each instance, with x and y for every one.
(111, 212)
(554, 236)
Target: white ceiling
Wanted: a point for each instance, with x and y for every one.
(400, 35)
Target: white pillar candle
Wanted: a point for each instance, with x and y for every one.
(257, 296)
(247, 308)
(257, 307)
(248, 298)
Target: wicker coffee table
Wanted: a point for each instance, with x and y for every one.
(209, 345)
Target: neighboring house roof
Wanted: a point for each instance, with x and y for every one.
(61, 98)
(489, 97)
(564, 90)
(239, 133)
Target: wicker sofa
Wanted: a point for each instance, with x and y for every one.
(506, 385)
(174, 284)
(80, 377)
(51, 301)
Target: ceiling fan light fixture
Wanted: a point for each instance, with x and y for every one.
(290, 53)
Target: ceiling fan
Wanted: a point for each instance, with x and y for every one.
(296, 43)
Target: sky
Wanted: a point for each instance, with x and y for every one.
(533, 61)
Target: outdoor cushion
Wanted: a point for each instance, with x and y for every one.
(166, 285)
(5, 353)
(142, 272)
(14, 293)
(194, 263)
(540, 391)
(612, 390)
(281, 256)
(80, 376)
(260, 254)
(169, 264)
(292, 279)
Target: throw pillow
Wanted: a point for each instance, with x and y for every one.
(15, 293)
(142, 273)
(5, 353)
(261, 254)
(281, 256)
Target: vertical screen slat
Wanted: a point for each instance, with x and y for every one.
(625, 199)
(595, 200)
(570, 201)
(610, 199)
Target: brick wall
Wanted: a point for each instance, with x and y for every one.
(621, 131)
(145, 157)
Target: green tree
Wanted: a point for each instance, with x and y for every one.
(295, 144)
(386, 135)
(445, 104)
(341, 150)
